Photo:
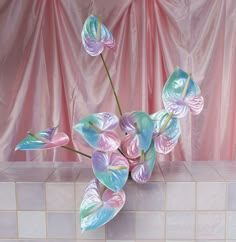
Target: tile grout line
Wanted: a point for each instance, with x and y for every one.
(75, 211)
(195, 213)
(165, 212)
(17, 221)
(46, 210)
(226, 203)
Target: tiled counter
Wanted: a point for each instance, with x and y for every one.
(183, 202)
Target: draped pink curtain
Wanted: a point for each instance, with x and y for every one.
(47, 78)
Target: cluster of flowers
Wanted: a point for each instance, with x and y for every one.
(135, 152)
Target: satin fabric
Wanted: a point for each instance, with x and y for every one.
(48, 79)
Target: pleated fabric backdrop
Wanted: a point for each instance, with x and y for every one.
(47, 78)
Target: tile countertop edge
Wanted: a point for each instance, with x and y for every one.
(195, 171)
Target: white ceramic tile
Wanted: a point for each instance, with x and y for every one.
(33, 240)
(150, 196)
(8, 225)
(121, 227)
(89, 240)
(180, 225)
(231, 225)
(60, 196)
(180, 196)
(3, 240)
(120, 240)
(150, 225)
(210, 225)
(211, 195)
(86, 175)
(204, 173)
(147, 240)
(98, 233)
(7, 196)
(64, 174)
(61, 240)
(207, 240)
(4, 165)
(231, 201)
(30, 196)
(29, 164)
(156, 174)
(228, 172)
(79, 192)
(181, 241)
(197, 163)
(130, 192)
(5, 178)
(29, 174)
(176, 173)
(61, 225)
(31, 224)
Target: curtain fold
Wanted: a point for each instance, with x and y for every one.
(47, 78)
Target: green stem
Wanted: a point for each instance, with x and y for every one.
(65, 147)
(113, 89)
(76, 151)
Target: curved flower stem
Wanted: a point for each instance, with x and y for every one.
(186, 85)
(76, 151)
(63, 146)
(163, 127)
(113, 89)
(121, 152)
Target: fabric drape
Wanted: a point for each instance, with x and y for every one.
(47, 78)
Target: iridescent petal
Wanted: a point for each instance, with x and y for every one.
(168, 138)
(139, 129)
(112, 171)
(173, 92)
(96, 211)
(142, 172)
(90, 39)
(51, 140)
(195, 104)
(96, 129)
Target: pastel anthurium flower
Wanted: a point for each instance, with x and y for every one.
(143, 166)
(45, 139)
(97, 128)
(95, 36)
(166, 131)
(111, 170)
(139, 128)
(181, 94)
(95, 210)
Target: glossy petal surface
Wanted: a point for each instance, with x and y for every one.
(92, 44)
(96, 211)
(96, 129)
(53, 141)
(173, 91)
(165, 141)
(112, 171)
(142, 172)
(139, 129)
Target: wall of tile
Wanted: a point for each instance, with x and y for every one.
(183, 202)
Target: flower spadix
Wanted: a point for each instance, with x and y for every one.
(166, 131)
(111, 169)
(97, 131)
(95, 36)
(181, 94)
(45, 139)
(97, 210)
(143, 166)
(139, 128)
